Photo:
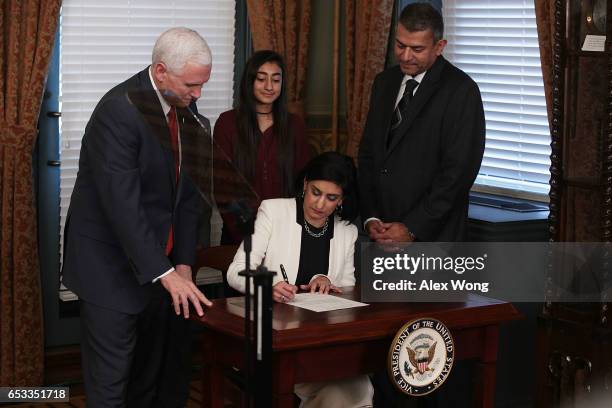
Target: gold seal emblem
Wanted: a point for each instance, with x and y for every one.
(421, 356)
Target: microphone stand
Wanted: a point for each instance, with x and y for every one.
(263, 336)
(261, 366)
(245, 220)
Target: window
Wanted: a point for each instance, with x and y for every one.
(496, 43)
(104, 43)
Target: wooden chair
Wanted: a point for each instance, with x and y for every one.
(218, 257)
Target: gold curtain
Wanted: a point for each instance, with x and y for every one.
(27, 36)
(367, 25)
(545, 21)
(284, 26)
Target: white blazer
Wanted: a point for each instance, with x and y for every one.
(277, 240)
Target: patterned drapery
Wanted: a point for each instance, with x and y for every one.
(284, 26)
(27, 36)
(367, 25)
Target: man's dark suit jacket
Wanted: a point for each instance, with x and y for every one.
(125, 198)
(423, 179)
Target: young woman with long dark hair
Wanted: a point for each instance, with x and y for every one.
(262, 142)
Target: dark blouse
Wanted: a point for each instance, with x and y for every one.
(314, 252)
(267, 182)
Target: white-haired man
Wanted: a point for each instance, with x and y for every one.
(131, 230)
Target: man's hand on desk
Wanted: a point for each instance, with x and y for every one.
(283, 292)
(183, 290)
(320, 284)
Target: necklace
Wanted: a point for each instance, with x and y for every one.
(318, 234)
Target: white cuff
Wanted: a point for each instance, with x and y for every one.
(368, 220)
(163, 274)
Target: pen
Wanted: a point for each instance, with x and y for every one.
(284, 273)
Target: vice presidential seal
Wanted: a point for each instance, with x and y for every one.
(421, 356)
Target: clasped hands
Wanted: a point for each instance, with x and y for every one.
(283, 292)
(182, 290)
(388, 232)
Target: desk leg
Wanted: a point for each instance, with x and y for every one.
(485, 386)
(212, 386)
(212, 374)
(283, 381)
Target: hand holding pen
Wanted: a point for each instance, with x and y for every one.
(284, 291)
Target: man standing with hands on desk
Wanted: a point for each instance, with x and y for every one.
(132, 228)
(423, 140)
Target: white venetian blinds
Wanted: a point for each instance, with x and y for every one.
(496, 43)
(105, 42)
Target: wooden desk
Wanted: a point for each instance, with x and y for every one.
(310, 346)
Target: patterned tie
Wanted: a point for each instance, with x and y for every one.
(174, 141)
(401, 109)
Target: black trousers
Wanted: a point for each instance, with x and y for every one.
(136, 360)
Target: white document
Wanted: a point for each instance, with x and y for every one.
(594, 43)
(318, 302)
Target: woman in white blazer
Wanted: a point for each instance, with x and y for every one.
(276, 241)
(288, 230)
(312, 238)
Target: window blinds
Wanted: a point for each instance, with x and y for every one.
(496, 43)
(104, 43)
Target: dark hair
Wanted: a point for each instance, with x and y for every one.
(245, 148)
(421, 17)
(339, 169)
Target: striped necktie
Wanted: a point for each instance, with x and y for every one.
(401, 109)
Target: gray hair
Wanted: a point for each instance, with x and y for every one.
(178, 46)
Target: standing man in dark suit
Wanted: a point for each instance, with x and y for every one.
(423, 140)
(132, 226)
(420, 153)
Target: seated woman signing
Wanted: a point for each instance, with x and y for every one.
(311, 236)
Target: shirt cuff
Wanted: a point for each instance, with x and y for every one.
(163, 274)
(368, 220)
(317, 275)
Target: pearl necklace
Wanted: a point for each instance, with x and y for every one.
(318, 234)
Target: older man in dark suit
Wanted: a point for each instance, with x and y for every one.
(131, 230)
(423, 140)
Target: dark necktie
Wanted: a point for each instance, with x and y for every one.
(174, 141)
(401, 109)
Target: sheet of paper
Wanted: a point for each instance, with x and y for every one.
(322, 303)
(594, 43)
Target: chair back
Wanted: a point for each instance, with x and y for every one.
(219, 258)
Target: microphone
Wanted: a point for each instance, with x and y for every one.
(245, 220)
(171, 95)
(245, 216)
(239, 205)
